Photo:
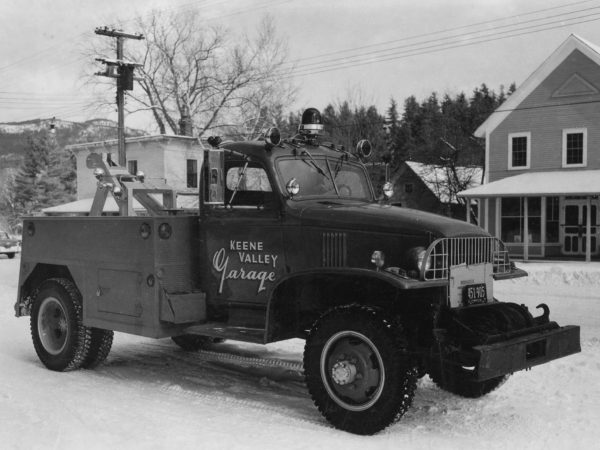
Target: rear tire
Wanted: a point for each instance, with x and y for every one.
(195, 342)
(101, 343)
(60, 340)
(10, 255)
(358, 371)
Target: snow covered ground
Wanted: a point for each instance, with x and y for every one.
(152, 395)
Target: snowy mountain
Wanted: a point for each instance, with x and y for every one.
(13, 135)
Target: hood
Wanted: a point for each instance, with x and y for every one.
(384, 218)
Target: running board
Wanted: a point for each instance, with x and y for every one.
(219, 330)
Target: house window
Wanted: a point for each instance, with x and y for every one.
(513, 219)
(519, 150)
(552, 225)
(192, 173)
(132, 166)
(574, 147)
(408, 188)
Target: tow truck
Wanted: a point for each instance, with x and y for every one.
(289, 240)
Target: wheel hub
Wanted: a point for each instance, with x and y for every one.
(343, 372)
(353, 370)
(53, 327)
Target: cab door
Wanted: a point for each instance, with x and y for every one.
(244, 245)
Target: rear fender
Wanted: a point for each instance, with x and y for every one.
(33, 275)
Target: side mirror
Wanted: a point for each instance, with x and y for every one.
(215, 180)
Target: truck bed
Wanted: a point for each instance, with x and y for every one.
(139, 275)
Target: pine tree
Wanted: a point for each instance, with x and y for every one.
(26, 185)
(46, 178)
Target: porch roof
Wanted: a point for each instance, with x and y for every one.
(567, 182)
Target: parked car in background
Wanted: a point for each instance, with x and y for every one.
(8, 245)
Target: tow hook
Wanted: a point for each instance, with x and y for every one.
(544, 318)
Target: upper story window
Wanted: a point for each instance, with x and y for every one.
(192, 173)
(519, 150)
(574, 147)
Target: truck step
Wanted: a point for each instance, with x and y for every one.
(219, 330)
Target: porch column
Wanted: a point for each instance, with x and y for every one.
(526, 228)
(588, 230)
(498, 217)
(468, 208)
(543, 226)
(486, 209)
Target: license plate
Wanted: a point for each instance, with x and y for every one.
(474, 294)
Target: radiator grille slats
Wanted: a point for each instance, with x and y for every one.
(446, 253)
(334, 250)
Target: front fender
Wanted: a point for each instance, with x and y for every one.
(300, 298)
(397, 281)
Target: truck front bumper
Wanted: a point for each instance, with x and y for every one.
(524, 352)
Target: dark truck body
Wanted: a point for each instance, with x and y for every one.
(273, 266)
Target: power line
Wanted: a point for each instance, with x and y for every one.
(51, 53)
(433, 33)
(437, 48)
(484, 33)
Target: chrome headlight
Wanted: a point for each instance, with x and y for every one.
(378, 258)
(416, 259)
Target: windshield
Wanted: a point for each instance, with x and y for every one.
(323, 177)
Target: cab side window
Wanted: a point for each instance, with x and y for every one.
(248, 186)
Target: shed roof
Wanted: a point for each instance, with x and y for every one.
(436, 178)
(83, 207)
(130, 140)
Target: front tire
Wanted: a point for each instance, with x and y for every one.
(10, 255)
(59, 337)
(357, 369)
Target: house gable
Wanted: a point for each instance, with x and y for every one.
(566, 98)
(576, 85)
(575, 76)
(571, 43)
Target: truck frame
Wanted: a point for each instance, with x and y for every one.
(289, 241)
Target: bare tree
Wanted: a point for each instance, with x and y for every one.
(192, 68)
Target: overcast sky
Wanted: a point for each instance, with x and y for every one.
(369, 50)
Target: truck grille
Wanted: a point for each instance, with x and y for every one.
(334, 249)
(445, 253)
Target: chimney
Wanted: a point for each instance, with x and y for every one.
(185, 123)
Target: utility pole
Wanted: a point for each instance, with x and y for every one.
(123, 71)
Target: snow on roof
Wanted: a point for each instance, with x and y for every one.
(573, 42)
(83, 206)
(436, 178)
(572, 182)
(129, 140)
